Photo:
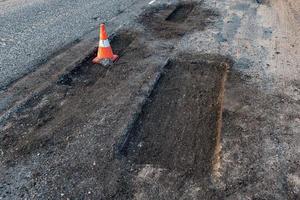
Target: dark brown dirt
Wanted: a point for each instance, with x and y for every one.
(171, 21)
(177, 129)
(180, 13)
(180, 117)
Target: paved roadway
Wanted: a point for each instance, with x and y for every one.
(31, 30)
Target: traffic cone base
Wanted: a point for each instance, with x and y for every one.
(104, 48)
(98, 60)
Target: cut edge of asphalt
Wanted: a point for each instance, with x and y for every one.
(216, 163)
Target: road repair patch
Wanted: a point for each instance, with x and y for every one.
(86, 72)
(171, 21)
(177, 132)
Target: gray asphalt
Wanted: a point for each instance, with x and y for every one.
(32, 30)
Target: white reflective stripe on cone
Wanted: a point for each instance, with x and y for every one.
(104, 43)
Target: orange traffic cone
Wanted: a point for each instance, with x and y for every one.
(104, 49)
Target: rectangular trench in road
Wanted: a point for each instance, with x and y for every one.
(179, 127)
(86, 72)
(177, 19)
(180, 13)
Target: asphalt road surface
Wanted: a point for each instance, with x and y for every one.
(32, 30)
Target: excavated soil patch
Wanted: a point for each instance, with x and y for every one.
(86, 72)
(180, 13)
(171, 21)
(50, 117)
(178, 129)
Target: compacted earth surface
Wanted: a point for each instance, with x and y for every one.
(174, 141)
(196, 107)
